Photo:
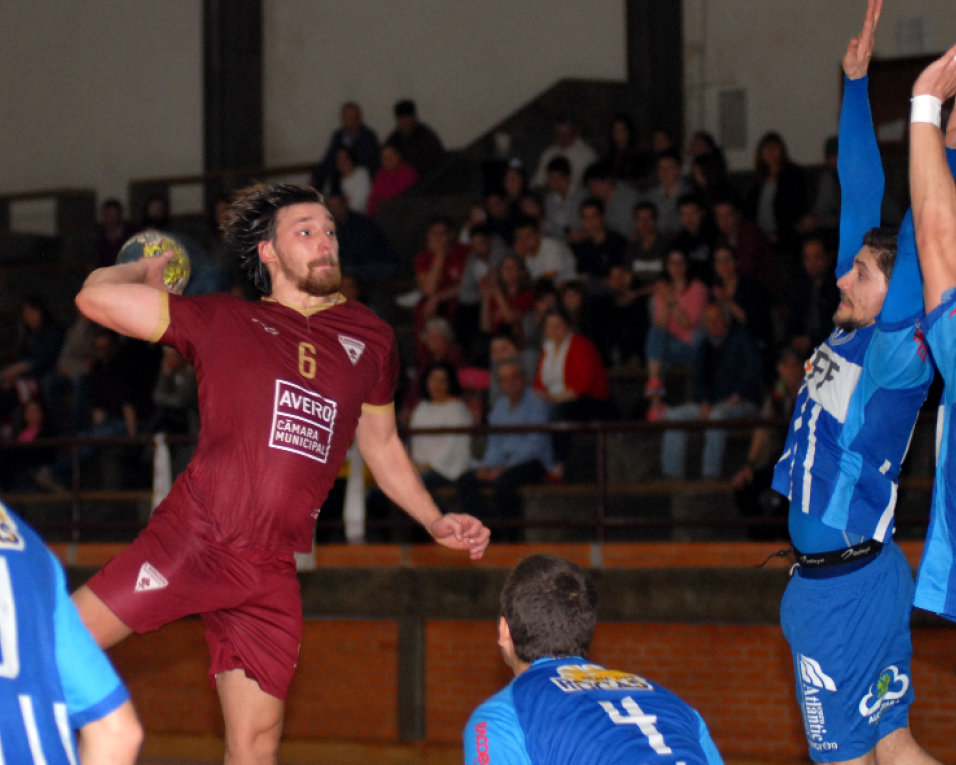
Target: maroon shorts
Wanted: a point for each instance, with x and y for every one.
(249, 600)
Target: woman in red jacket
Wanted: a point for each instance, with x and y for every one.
(571, 377)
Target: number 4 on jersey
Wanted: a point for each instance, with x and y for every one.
(634, 715)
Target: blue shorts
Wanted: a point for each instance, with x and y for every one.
(850, 638)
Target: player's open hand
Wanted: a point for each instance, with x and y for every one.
(939, 78)
(856, 60)
(461, 532)
(153, 269)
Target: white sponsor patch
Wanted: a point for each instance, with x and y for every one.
(813, 674)
(302, 421)
(149, 578)
(354, 348)
(831, 380)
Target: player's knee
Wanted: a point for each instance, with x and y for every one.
(900, 748)
(255, 744)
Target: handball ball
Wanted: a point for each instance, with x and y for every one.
(150, 244)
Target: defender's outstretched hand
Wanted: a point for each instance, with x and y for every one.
(461, 532)
(939, 78)
(856, 60)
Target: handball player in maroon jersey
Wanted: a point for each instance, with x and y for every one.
(284, 385)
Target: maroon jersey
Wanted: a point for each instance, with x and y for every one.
(280, 395)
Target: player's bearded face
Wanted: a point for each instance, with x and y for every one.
(319, 277)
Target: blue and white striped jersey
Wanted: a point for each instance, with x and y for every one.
(53, 677)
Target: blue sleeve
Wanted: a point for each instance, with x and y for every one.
(91, 686)
(860, 171)
(940, 329)
(707, 744)
(951, 158)
(493, 735)
(903, 304)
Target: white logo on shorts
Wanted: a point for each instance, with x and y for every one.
(813, 674)
(149, 578)
(890, 686)
(354, 348)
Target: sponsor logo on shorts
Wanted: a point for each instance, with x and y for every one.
(591, 677)
(302, 421)
(10, 538)
(481, 744)
(815, 680)
(886, 692)
(354, 348)
(149, 578)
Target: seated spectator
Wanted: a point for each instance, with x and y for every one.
(393, 178)
(355, 136)
(419, 144)
(677, 312)
(511, 460)
(709, 175)
(543, 255)
(175, 396)
(38, 348)
(504, 345)
(752, 482)
(596, 249)
(621, 321)
(647, 250)
(562, 200)
(743, 300)
(778, 200)
(515, 183)
(623, 161)
(545, 298)
(727, 371)
(351, 179)
(484, 255)
(814, 298)
(618, 198)
(572, 379)
(670, 187)
(112, 233)
(573, 300)
(825, 207)
(569, 145)
(507, 297)
(64, 390)
(364, 250)
(696, 236)
(703, 144)
(436, 342)
(530, 205)
(498, 216)
(439, 269)
(755, 255)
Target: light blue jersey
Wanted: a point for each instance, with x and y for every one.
(570, 712)
(53, 677)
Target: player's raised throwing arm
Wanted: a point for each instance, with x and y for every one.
(387, 459)
(931, 184)
(128, 298)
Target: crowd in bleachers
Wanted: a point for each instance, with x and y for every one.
(641, 266)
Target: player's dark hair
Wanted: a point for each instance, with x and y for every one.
(883, 242)
(454, 385)
(550, 605)
(252, 219)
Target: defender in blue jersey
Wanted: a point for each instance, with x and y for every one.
(561, 709)
(934, 213)
(847, 608)
(53, 678)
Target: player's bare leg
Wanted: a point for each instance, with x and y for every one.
(253, 720)
(900, 748)
(105, 627)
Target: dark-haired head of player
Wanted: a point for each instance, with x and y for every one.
(285, 238)
(863, 287)
(548, 609)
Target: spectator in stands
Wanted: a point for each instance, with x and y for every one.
(17, 467)
(727, 372)
(670, 187)
(507, 297)
(351, 179)
(562, 201)
(703, 144)
(647, 250)
(437, 343)
(175, 396)
(572, 379)
(696, 236)
(38, 348)
(755, 255)
(709, 175)
(364, 250)
(511, 460)
(568, 144)
(64, 391)
(498, 215)
(743, 300)
(545, 298)
(677, 312)
(814, 297)
(155, 214)
(573, 300)
(515, 184)
(504, 345)
(482, 258)
(222, 256)
(618, 198)
(355, 136)
(543, 255)
(825, 207)
(439, 269)
(623, 162)
(778, 200)
(662, 141)
(419, 144)
(621, 320)
(752, 482)
(394, 177)
(596, 249)
(112, 232)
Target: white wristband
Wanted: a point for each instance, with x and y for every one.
(926, 108)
